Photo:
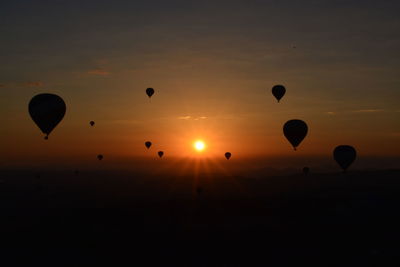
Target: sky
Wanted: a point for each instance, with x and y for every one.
(212, 65)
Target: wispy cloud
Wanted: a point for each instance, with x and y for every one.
(33, 84)
(100, 72)
(125, 121)
(184, 117)
(330, 113)
(192, 118)
(23, 84)
(395, 134)
(368, 110)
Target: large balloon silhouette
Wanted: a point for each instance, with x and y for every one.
(147, 144)
(278, 91)
(344, 156)
(47, 110)
(100, 157)
(160, 154)
(295, 131)
(228, 155)
(150, 92)
(92, 123)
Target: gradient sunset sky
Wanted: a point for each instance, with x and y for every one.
(212, 65)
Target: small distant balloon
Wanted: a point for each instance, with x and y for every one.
(92, 123)
(100, 157)
(160, 154)
(150, 92)
(76, 172)
(199, 190)
(344, 155)
(47, 111)
(295, 131)
(228, 155)
(306, 170)
(147, 144)
(278, 91)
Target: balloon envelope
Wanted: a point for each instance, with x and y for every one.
(228, 155)
(199, 190)
(47, 110)
(278, 91)
(150, 92)
(147, 144)
(306, 170)
(344, 156)
(91, 123)
(295, 131)
(160, 154)
(100, 157)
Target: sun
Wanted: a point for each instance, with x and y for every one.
(199, 145)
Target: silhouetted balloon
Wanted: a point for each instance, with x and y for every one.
(147, 144)
(344, 156)
(100, 157)
(160, 154)
(150, 91)
(91, 123)
(76, 172)
(306, 170)
(228, 155)
(278, 91)
(47, 110)
(295, 131)
(199, 190)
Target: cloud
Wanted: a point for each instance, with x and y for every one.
(184, 117)
(33, 84)
(330, 113)
(368, 110)
(125, 121)
(192, 118)
(100, 72)
(22, 84)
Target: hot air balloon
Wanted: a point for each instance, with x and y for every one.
(47, 110)
(344, 156)
(76, 172)
(92, 123)
(100, 157)
(306, 170)
(199, 190)
(228, 155)
(278, 91)
(160, 154)
(295, 131)
(150, 91)
(147, 144)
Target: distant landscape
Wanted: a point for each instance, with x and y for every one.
(93, 217)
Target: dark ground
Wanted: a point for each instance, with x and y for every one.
(122, 219)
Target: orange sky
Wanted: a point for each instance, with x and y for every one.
(213, 80)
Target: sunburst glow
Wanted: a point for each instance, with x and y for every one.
(199, 145)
